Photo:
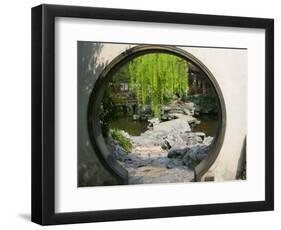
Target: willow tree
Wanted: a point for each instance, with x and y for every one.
(155, 78)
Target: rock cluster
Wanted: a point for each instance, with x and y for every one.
(168, 112)
(168, 151)
(190, 156)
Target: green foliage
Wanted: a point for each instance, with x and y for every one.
(108, 112)
(155, 78)
(121, 140)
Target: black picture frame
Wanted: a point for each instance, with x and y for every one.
(43, 114)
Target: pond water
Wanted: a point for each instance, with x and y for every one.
(126, 123)
(208, 125)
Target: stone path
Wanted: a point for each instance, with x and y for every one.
(167, 153)
(150, 164)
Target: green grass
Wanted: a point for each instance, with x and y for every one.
(121, 140)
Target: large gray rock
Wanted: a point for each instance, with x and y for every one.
(193, 138)
(153, 121)
(200, 134)
(178, 152)
(189, 105)
(179, 125)
(148, 138)
(198, 152)
(171, 140)
(187, 141)
(165, 134)
(208, 140)
(195, 155)
(190, 155)
(189, 108)
(192, 120)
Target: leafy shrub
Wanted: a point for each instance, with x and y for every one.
(107, 113)
(121, 140)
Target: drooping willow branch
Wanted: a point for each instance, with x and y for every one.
(155, 79)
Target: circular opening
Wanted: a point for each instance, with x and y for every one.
(143, 109)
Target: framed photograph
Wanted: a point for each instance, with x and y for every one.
(142, 114)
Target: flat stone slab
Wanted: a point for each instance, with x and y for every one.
(177, 125)
(148, 163)
(156, 174)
